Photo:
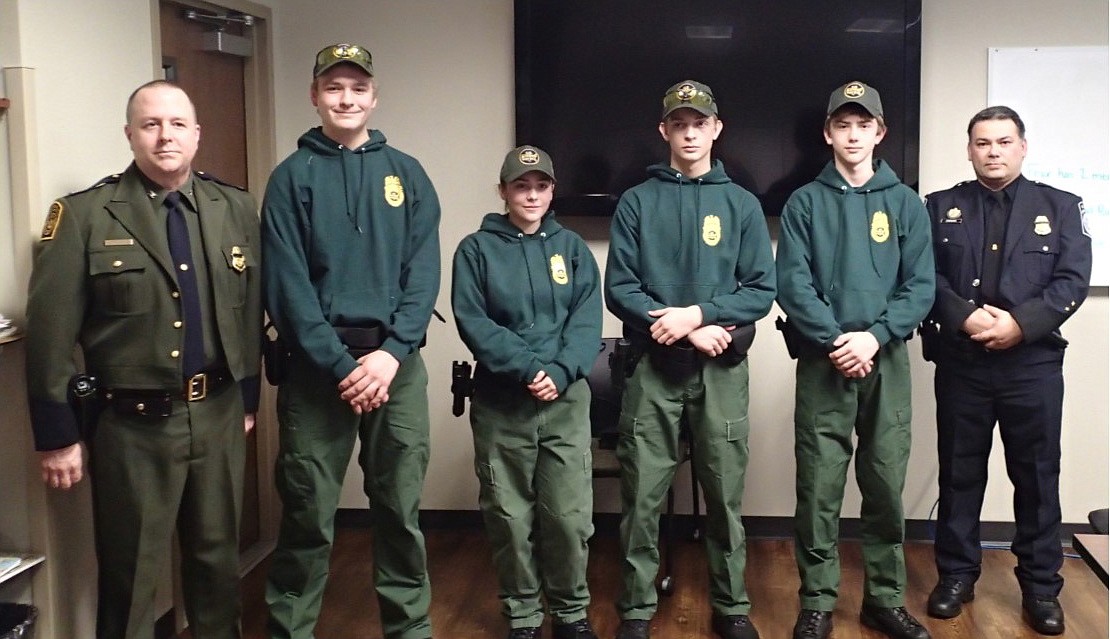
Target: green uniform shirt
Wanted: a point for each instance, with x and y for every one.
(103, 279)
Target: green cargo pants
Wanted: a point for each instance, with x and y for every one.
(317, 437)
(828, 408)
(150, 475)
(714, 405)
(535, 472)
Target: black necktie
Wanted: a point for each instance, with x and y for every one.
(994, 236)
(177, 232)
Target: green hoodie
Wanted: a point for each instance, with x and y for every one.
(677, 241)
(855, 258)
(351, 238)
(526, 303)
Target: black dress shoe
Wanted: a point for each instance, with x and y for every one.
(734, 627)
(896, 623)
(574, 630)
(634, 629)
(1043, 614)
(949, 596)
(813, 624)
(524, 633)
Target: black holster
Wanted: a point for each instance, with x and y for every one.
(83, 396)
(275, 356)
(462, 386)
(796, 343)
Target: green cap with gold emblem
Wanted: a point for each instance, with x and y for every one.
(343, 53)
(524, 159)
(689, 94)
(856, 92)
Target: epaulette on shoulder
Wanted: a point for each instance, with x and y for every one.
(208, 177)
(963, 183)
(111, 179)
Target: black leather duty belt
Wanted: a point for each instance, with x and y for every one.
(159, 403)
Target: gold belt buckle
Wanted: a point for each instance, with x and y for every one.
(196, 388)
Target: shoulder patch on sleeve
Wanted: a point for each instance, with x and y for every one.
(207, 177)
(53, 219)
(1084, 220)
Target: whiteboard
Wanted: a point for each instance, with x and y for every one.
(1063, 95)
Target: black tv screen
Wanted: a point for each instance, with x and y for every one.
(590, 78)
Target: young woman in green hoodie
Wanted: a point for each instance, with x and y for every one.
(527, 301)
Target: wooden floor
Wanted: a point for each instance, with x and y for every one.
(465, 606)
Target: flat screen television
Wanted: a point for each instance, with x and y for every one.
(590, 78)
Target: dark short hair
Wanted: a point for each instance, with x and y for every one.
(151, 84)
(852, 108)
(997, 113)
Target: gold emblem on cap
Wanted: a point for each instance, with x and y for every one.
(53, 219)
(711, 230)
(1041, 225)
(345, 50)
(953, 213)
(686, 92)
(394, 192)
(528, 157)
(238, 260)
(854, 90)
(880, 227)
(559, 270)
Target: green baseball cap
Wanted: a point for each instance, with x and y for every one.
(856, 92)
(335, 54)
(524, 159)
(689, 94)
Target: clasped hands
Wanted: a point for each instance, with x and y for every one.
(675, 323)
(367, 386)
(993, 327)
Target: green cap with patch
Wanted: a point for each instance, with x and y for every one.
(524, 159)
(856, 92)
(689, 94)
(343, 53)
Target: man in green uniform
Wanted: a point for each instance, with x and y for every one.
(158, 271)
(350, 227)
(855, 277)
(689, 259)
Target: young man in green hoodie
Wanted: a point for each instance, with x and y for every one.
(855, 277)
(689, 260)
(350, 230)
(527, 299)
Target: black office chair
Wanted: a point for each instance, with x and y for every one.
(1100, 520)
(605, 412)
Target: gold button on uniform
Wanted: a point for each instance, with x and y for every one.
(117, 263)
(975, 282)
(177, 324)
(174, 353)
(994, 247)
(175, 295)
(184, 267)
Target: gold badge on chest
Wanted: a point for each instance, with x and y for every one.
(559, 269)
(1041, 225)
(238, 260)
(394, 191)
(711, 230)
(880, 227)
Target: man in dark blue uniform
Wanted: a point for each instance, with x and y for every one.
(1013, 262)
